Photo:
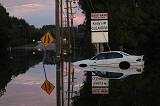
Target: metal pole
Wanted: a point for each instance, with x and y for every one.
(57, 54)
(69, 53)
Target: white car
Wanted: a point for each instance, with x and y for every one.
(112, 59)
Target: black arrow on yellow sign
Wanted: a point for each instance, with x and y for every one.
(47, 87)
(47, 39)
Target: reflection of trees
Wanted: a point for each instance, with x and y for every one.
(50, 57)
(5, 76)
(22, 61)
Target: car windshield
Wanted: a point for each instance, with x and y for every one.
(126, 54)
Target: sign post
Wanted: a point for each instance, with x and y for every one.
(47, 86)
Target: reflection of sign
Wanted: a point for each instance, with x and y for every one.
(100, 90)
(99, 81)
(100, 85)
(47, 87)
(47, 39)
(99, 16)
(100, 25)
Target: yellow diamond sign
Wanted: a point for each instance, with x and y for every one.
(47, 87)
(47, 39)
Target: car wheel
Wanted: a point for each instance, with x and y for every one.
(124, 65)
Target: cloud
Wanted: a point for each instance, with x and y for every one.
(16, 3)
(37, 12)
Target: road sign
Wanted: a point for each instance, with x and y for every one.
(47, 39)
(47, 87)
(99, 16)
(99, 25)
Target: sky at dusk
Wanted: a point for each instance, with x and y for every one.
(38, 12)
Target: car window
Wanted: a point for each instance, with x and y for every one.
(108, 74)
(113, 75)
(126, 54)
(114, 55)
(100, 56)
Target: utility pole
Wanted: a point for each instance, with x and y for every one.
(62, 57)
(69, 53)
(57, 54)
(73, 45)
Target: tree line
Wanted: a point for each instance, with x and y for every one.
(18, 32)
(133, 24)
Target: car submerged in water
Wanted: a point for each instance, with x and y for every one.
(112, 63)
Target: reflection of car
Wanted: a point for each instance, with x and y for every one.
(117, 73)
(110, 59)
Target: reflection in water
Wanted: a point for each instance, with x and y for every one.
(50, 57)
(22, 77)
(116, 72)
(21, 62)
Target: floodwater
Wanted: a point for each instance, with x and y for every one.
(21, 79)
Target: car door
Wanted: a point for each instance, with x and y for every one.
(113, 59)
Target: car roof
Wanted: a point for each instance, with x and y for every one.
(112, 52)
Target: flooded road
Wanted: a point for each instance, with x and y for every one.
(21, 80)
(25, 89)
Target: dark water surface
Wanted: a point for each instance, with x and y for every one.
(21, 80)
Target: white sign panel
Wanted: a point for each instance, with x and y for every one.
(100, 90)
(99, 25)
(99, 81)
(100, 85)
(99, 37)
(99, 16)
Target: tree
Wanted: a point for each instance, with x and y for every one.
(5, 25)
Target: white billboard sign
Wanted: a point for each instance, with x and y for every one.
(99, 25)
(99, 37)
(99, 16)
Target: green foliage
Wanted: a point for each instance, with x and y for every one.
(15, 32)
(129, 22)
(22, 33)
(49, 28)
(5, 26)
(4, 23)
